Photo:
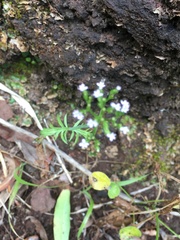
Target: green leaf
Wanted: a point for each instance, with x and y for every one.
(62, 216)
(87, 216)
(130, 233)
(76, 138)
(71, 137)
(106, 127)
(65, 121)
(48, 132)
(59, 121)
(63, 137)
(130, 181)
(113, 190)
(86, 95)
(77, 123)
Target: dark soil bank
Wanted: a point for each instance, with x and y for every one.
(134, 44)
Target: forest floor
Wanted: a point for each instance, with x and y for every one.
(143, 152)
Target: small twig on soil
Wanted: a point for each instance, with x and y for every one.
(96, 206)
(144, 189)
(5, 208)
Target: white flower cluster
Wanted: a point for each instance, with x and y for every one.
(98, 93)
(82, 87)
(111, 136)
(101, 84)
(83, 144)
(92, 123)
(123, 106)
(77, 114)
(124, 130)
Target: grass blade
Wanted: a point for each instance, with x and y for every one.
(130, 181)
(87, 216)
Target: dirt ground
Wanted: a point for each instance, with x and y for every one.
(146, 151)
(48, 48)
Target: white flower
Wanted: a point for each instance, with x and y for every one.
(116, 106)
(118, 88)
(82, 87)
(92, 123)
(124, 130)
(124, 106)
(101, 84)
(111, 136)
(83, 144)
(97, 93)
(77, 114)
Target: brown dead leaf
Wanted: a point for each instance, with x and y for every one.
(174, 203)
(41, 200)
(35, 155)
(6, 181)
(115, 218)
(39, 227)
(44, 156)
(28, 151)
(6, 111)
(124, 205)
(11, 164)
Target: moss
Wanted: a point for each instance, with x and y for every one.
(12, 9)
(16, 73)
(64, 93)
(151, 151)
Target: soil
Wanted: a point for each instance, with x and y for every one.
(135, 45)
(145, 151)
(50, 47)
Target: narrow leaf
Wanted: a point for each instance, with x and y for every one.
(59, 121)
(130, 181)
(87, 216)
(62, 216)
(65, 121)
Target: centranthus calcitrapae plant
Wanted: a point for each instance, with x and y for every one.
(101, 114)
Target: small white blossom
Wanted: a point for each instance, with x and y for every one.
(83, 144)
(92, 123)
(116, 106)
(101, 84)
(77, 114)
(124, 130)
(118, 88)
(82, 87)
(111, 136)
(124, 106)
(97, 93)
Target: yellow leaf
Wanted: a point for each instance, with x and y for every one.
(99, 181)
